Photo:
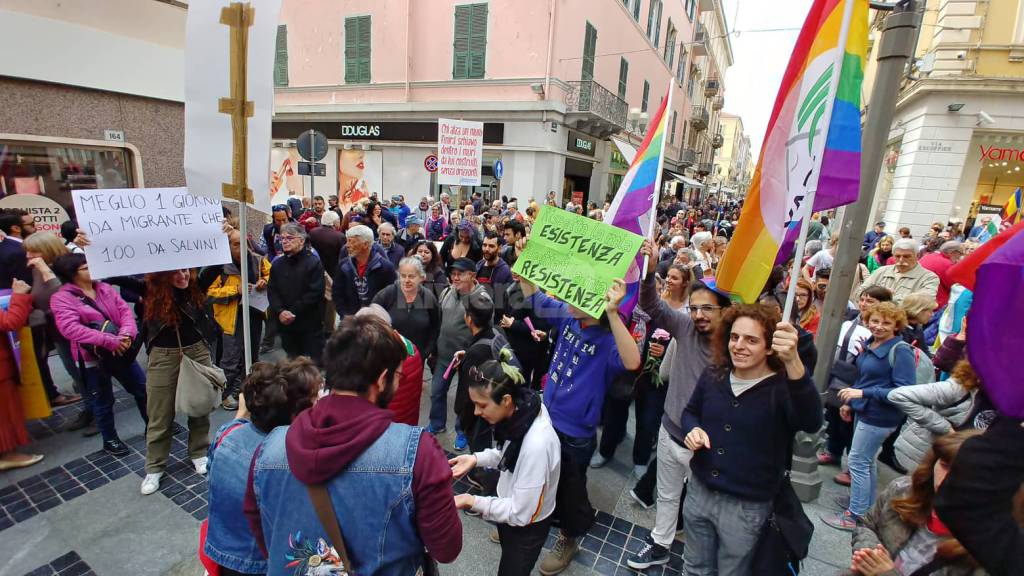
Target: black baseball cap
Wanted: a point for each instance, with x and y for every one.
(464, 265)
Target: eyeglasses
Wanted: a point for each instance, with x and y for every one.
(478, 376)
(706, 309)
(287, 238)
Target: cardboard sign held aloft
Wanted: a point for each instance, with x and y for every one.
(576, 259)
(140, 230)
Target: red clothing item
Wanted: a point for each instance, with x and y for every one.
(12, 417)
(361, 268)
(406, 403)
(324, 439)
(940, 264)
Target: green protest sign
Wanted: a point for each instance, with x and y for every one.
(575, 259)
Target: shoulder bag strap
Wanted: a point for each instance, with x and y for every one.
(325, 513)
(92, 304)
(844, 352)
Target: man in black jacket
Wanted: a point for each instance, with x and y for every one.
(15, 225)
(361, 274)
(297, 295)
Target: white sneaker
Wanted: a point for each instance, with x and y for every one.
(597, 460)
(151, 483)
(200, 464)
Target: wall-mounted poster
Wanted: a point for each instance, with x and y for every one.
(284, 174)
(360, 175)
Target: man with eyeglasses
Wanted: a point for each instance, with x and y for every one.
(692, 329)
(906, 275)
(279, 214)
(297, 295)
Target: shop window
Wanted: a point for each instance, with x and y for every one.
(54, 170)
(589, 49)
(470, 44)
(357, 50)
(281, 57)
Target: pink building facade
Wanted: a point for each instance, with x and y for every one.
(564, 87)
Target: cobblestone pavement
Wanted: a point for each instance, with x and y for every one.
(80, 511)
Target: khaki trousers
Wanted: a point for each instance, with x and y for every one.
(161, 386)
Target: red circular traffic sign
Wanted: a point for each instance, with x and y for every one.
(430, 163)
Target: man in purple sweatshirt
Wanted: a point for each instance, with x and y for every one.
(390, 484)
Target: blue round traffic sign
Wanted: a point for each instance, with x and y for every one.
(499, 169)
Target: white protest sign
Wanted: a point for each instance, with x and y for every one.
(460, 152)
(140, 230)
(210, 148)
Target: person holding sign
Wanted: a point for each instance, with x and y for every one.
(176, 326)
(589, 354)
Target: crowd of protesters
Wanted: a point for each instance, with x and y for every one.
(378, 306)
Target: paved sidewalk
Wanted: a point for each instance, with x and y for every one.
(80, 511)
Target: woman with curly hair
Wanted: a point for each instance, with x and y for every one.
(272, 395)
(740, 423)
(901, 534)
(176, 325)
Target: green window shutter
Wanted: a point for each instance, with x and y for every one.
(623, 75)
(470, 42)
(357, 50)
(657, 26)
(672, 135)
(460, 63)
(647, 93)
(589, 49)
(477, 40)
(650, 18)
(636, 9)
(281, 56)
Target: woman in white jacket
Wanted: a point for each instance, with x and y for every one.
(933, 410)
(529, 462)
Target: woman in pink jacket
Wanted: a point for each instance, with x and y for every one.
(80, 309)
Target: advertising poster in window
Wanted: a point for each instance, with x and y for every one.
(284, 175)
(360, 175)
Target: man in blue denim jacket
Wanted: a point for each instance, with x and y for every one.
(271, 396)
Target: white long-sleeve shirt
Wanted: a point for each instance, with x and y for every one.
(528, 494)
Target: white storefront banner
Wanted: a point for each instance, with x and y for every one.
(209, 148)
(47, 214)
(140, 230)
(460, 155)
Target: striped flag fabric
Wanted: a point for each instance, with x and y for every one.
(1013, 210)
(812, 143)
(635, 201)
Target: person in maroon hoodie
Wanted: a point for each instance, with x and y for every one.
(390, 484)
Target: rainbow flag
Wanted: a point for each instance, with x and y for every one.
(812, 143)
(635, 201)
(1013, 210)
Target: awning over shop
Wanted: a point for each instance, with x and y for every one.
(679, 177)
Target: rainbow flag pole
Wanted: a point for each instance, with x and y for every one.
(808, 205)
(810, 160)
(636, 200)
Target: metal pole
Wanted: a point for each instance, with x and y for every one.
(312, 166)
(899, 33)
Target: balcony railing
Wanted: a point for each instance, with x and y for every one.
(688, 157)
(590, 97)
(700, 41)
(698, 117)
(704, 168)
(718, 103)
(712, 87)
(717, 140)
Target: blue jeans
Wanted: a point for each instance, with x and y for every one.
(99, 384)
(572, 503)
(439, 396)
(867, 441)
